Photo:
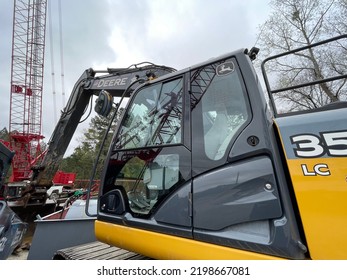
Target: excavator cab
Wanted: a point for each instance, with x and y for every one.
(201, 166)
(193, 171)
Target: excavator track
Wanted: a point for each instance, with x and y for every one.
(96, 251)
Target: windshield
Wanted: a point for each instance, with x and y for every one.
(154, 117)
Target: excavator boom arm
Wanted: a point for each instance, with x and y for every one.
(116, 82)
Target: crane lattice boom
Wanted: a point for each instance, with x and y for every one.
(28, 45)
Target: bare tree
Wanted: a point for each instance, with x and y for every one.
(337, 18)
(298, 23)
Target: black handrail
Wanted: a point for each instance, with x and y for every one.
(266, 80)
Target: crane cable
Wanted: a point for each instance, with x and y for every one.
(52, 62)
(61, 52)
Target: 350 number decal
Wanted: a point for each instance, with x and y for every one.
(311, 146)
(333, 144)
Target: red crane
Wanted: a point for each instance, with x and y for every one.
(28, 46)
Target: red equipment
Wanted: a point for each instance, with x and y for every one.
(28, 45)
(64, 178)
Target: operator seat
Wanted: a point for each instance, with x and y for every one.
(216, 135)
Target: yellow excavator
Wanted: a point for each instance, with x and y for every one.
(204, 165)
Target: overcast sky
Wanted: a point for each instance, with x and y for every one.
(118, 33)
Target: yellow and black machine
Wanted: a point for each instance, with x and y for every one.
(202, 165)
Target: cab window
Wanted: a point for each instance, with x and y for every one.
(153, 118)
(219, 112)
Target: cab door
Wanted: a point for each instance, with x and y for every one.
(148, 179)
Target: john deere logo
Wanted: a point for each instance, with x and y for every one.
(225, 68)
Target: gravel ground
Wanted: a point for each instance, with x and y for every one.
(21, 254)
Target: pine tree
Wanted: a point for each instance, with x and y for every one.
(82, 160)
